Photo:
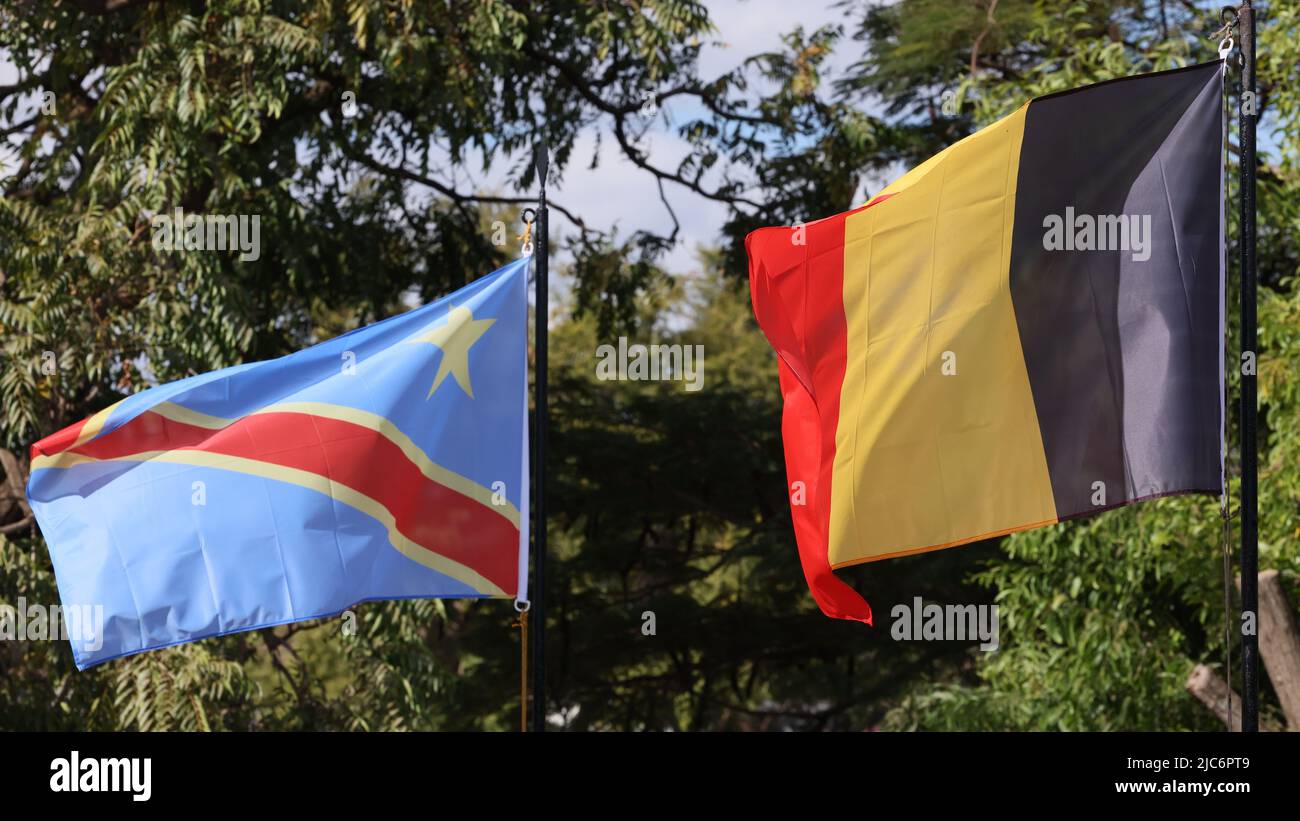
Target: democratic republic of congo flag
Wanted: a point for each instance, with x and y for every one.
(1025, 328)
(387, 463)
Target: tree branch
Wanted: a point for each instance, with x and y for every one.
(453, 194)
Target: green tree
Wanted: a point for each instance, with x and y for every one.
(1104, 618)
(347, 126)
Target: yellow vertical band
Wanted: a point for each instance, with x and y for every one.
(938, 441)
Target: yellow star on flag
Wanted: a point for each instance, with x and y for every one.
(454, 337)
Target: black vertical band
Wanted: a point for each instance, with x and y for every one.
(1120, 333)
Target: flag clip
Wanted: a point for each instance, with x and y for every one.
(1228, 16)
(1225, 47)
(526, 238)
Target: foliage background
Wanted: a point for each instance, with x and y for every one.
(662, 500)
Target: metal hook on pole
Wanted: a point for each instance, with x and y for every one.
(1225, 47)
(1230, 16)
(526, 238)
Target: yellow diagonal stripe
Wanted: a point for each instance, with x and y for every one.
(373, 421)
(320, 484)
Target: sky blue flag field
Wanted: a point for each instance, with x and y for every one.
(387, 463)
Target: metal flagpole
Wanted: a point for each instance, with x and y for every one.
(1249, 456)
(541, 248)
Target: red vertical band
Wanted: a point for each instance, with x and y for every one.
(796, 278)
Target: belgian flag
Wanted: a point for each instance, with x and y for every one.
(1025, 328)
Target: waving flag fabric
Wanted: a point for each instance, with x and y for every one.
(386, 463)
(1025, 328)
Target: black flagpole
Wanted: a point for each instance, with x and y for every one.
(538, 494)
(1249, 456)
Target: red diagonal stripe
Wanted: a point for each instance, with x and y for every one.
(432, 515)
(60, 441)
